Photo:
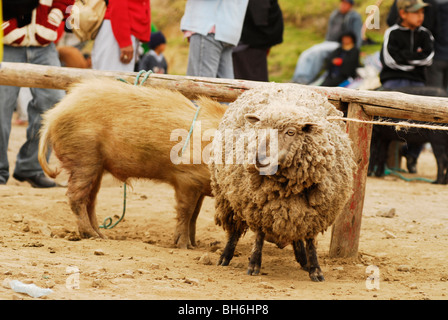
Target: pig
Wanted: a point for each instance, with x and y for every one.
(105, 125)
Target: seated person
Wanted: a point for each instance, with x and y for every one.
(343, 62)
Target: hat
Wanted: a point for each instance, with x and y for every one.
(411, 5)
(352, 2)
(157, 38)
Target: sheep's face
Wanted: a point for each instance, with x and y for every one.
(274, 146)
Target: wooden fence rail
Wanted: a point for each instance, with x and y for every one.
(359, 104)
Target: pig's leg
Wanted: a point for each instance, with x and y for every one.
(186, 198)
(92, 203)
(78, 192)
(193, 220)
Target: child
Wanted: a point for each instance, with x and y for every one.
(407, 49)
(154, 59)
(343, 62)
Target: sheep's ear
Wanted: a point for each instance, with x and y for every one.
(252, 118)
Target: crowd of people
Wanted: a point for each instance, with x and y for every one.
(227, 39)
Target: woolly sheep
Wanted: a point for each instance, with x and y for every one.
(298, 197)
(105, 125)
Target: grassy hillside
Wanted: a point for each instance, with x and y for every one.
(305, 25)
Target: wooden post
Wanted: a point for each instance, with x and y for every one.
(347, 227)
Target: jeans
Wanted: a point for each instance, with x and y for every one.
(400, 83)
(312, 60)
(209, 57)
(27, 164)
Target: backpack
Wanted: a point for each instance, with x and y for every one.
(86, 17)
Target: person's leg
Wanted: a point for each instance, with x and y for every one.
(311, 61)
(204, 56)
(27, 164)
(250, 64)
(225, 67)
(8, 101)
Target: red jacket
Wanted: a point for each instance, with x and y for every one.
(129, 17)
(43, 29)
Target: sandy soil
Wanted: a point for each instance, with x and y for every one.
(138, 261)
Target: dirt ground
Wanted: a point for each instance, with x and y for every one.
(38, 245)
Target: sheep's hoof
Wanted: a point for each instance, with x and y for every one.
(317, 275)
(223, 261)
(253, 270)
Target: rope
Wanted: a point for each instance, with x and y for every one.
(107, 223)
(398, 126)
(191, 129)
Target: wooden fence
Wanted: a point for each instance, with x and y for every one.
(359, 104)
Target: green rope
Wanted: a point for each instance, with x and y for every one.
(107, 223)
(390, 171)
(395, 172)
(191, 129)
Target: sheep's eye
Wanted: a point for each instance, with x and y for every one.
(290, 132)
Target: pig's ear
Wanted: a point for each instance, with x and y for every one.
(252, 118)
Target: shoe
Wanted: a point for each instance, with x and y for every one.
(37, 181)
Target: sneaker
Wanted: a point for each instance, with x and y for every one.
(37, 181)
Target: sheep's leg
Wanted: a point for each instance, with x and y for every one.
(255, 258)
(229, 250)
(300, 254)
(314, 268)
(193, 219)
(186, 205)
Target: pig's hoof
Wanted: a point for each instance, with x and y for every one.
(87, 234)
(181, 243)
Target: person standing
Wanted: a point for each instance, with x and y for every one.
(125, 23)
(213, 28)
(29, 38)
(262, 29)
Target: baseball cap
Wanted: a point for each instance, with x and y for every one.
(411, 5)
(352, 2)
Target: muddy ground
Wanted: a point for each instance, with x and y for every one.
(38, 244)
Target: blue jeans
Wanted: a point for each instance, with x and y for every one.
(209, 57)
(401, 83)
(312, 60)
(27, 164)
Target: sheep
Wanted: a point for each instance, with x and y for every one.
(105, 125)
(292, 199)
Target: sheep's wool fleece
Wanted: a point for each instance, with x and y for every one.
(305, 195)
